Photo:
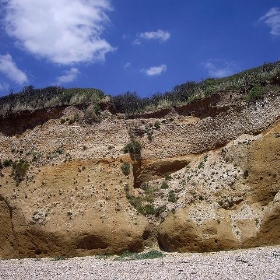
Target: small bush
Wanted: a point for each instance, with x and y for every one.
(255, 93)
(201, 165)
(74, 119)
(133, 147)
(172, 197)
(164, 185)
(129, 256)
(126, 188)
(19, 170)
(136, 202)
(59, 151)
(245, 174)
(168, 177)
(125, 168)
(147, 209)
(7, 162)
(157, 125)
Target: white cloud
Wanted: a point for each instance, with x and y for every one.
(62, 31)
(69, 76)
(218, 68)
(272, 19)
(155, 70)
(155, 35)
(9, 69)
(127, 65)
(136, 42)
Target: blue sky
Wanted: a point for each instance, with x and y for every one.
(146, 46)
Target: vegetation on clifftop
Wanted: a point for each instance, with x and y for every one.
(253, 83)
(35, 99)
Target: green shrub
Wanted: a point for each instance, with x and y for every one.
(74, 119)
(172, 197)
(151, 255)
(139, 203)
(136, 202)
(19, 170)
(133, 147)
(129, 256)
(125, 168)
(97, 109)
(245, 174)
(7, 162)
(157, 125)
(126, 188)
(201, 165)
(255, 93)
(168, 177)
(59, 151)
(164, 185)
(147, 209)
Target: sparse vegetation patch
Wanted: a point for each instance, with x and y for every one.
(129, 256)
(126, 168)
(19, 170)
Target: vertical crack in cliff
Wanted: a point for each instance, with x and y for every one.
(2, 198)
(137, 166)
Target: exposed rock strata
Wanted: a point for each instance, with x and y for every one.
(221, 171)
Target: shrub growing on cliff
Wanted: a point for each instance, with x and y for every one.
(157, 125)
(140, 203)
(74, 119)
(19, 170)
(172, 197)
(245, 174)
(125, 168)
(147, 209)
(133, 147)
(255, 93)
(164, 185)
(7, 162)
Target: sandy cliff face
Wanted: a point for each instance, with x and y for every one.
(238, 198)
(207, 179)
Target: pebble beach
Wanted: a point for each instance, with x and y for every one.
(256, 263)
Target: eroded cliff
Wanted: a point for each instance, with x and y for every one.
(207, 178)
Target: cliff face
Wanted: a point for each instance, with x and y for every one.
(207, 178)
